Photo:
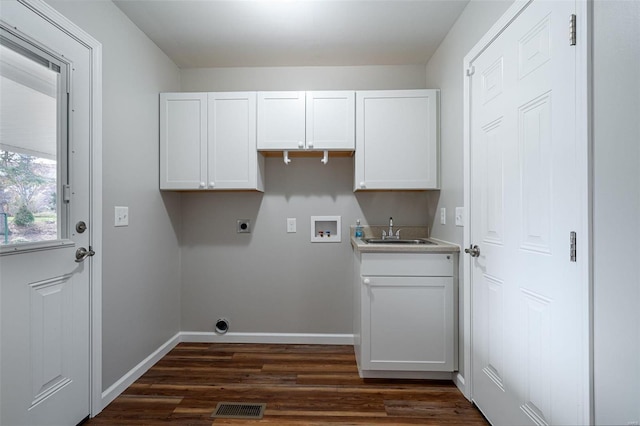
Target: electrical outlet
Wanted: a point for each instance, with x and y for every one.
(121, 216)
(443, 216)
(291, 225)
(243, 226)
(459, 216)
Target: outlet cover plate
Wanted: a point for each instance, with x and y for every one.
(459, 216)
(243, 226)
(121, 216)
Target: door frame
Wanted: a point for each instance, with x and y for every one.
(55, 18)
(585, 169)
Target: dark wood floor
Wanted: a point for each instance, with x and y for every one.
(301, 385)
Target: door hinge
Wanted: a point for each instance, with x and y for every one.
(471, 70)
(572, 245)
(572, 30)
(66, 193)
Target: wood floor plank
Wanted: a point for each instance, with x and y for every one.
(301, 385)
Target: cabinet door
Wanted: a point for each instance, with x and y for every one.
(397, 139)
(407, 323)
(233, 161)
(331, 120)
(281, 124)
(183, 140)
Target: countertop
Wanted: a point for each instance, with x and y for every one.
(406, 232)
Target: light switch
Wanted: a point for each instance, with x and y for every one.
(459, 216)
(121, 216)
(443, 216)
(291, 224)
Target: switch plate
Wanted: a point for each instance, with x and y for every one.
(459, 216)
(291, 225)
(443, 216)
(121, 216)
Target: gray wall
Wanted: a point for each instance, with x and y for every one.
(616, 126)
(271, 281)
(444, 70)
(141, 281)
(303, 78)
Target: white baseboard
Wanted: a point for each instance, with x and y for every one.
(136, 372)
(459, 381)
(413, 375)
(273, 338)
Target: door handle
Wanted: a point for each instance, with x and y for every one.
(82, 253)
(473, 250)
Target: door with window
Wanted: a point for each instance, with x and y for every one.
(46, 233)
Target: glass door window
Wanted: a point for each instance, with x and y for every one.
(33, 144)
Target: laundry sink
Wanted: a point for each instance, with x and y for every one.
(397, 241)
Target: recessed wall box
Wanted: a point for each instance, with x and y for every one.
(325, 229)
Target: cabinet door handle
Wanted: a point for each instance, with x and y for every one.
(301, 144)
(366, 281)
(212, 184)
(310, 144)
(362, 185)
(201, 185)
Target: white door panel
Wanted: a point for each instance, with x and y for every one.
(525, 290)
(45, 338)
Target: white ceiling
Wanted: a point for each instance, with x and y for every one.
(251, 33)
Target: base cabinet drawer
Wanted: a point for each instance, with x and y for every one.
(407, 264)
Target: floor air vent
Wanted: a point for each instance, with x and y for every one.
(239, 410)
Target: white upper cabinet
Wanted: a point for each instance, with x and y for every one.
(208, 141)
(281, 120)
(331, 120)
(306, 120)
(183, 140)
(233, 160)
(397, 139)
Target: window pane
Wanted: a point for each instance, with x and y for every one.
(29, 182)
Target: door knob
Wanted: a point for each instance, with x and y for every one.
(473, 250)
(82, 253)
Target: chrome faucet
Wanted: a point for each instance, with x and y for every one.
(390, 235)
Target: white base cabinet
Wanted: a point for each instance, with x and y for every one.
(208, 142)
(397, 140)
(405, 316)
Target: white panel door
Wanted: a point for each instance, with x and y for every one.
(281, 120)
(183, 140)
(45, 304)
(232, 154)
(396, 139)
(331, 120)
(527, 318)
